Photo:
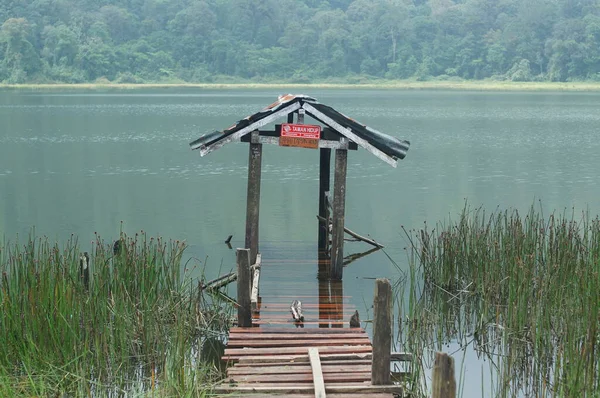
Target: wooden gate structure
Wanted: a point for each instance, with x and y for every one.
(339, 132)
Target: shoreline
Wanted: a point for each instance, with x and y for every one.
(390, 85)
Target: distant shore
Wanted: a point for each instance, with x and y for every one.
(392, 85)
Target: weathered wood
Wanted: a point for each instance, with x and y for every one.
(255, 283)
(205, 150)
(354, 234)
(287, 330)
(339, 204)
(382, 332)
(292, 337)
(299, 358)
(303, 378)
(300, 117)
(240, 352)
(296, 343)
(297, 369)
(353, 362)
(401, 356)
(324, 179)
(444, 383)
(278, 389)
(219, 282)
(253, 198)
(317, 372)
(368, 395)
(296, 310)
(349, 134)
(243, 288)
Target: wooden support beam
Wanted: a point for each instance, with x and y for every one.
(255, 283)
(339, 204)
(317, 373)
(253, 198)
(444, 383)
(243, 288)
(324, 177)
(382, 333)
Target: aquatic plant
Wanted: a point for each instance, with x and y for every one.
(142, 323)
(524, 291)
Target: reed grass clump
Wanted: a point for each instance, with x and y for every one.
(138, 324)
(524, 290)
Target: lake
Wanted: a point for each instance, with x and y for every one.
(86, 162)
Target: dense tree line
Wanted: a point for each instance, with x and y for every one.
(297, 40)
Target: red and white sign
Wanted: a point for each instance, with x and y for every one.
(301, 131)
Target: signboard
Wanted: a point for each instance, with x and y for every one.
(300, 135)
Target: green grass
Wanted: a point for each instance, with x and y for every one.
(141, 325)
(522, 290)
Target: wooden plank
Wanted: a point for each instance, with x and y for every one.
(310, 321)
(279, 389)
(243, 287)
(317, 373)
(355, 377)
(287, 330)
(238, 134)
(253, 198)
(382, 332)
(337, 218)
(325, 362)
(296, 358)
(299, 343)
(371, 395)
(296, 369)
(305, 305)
(233, 352)
(296, 336)
(349, 134)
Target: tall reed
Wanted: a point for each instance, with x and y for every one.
(139, 322)
(523, 290)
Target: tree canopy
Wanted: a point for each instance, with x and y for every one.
(132, 41)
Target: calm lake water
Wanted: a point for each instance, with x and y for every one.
(84, 162)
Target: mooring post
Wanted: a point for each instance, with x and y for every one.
(382, 333)
(444, 383)
(324, 176)
(243, 288)
(339, 204)
(253, 199)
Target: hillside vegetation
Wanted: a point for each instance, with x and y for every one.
(301, 41)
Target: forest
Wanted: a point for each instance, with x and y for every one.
(297, 41)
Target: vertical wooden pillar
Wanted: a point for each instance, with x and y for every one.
(444, 382)
(382, 333)
(253, 199)
(339, 204)
(324, 174)
(244, 280)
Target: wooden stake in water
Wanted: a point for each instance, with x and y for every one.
(243, 288)
(382, 333)
(444, 383)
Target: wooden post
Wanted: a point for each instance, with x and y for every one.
(382, 333)
(339, 204)
(243, 288)
(444, 383)
(253, 199)
(324, 174)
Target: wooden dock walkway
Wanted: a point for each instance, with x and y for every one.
(322, 356)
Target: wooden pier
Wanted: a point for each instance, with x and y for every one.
(317, 357)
